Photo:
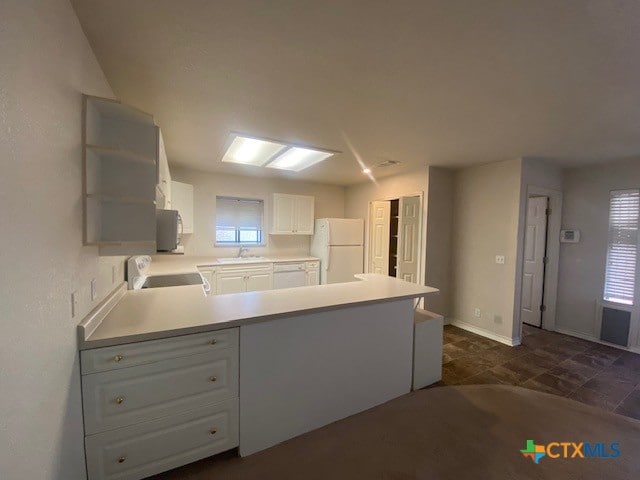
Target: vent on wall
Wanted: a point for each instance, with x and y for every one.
(615, 325)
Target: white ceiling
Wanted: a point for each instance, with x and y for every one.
(446, 83)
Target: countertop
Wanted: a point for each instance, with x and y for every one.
(138, 315)
(170, 264)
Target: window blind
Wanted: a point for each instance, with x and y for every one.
(239, 220)
(620, 279)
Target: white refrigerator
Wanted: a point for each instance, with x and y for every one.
(339, 244)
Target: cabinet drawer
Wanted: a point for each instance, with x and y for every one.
(141, 450)
(123, 397)
(259, 267)
(122, 356)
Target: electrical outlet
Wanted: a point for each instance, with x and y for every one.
(497, 319)
(74, 303)
(500, 259)
(477, 313)
(94, 290)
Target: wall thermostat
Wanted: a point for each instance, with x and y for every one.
(569, 236)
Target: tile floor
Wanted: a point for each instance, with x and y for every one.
(589, 372)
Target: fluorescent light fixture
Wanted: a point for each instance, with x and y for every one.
(251, 151)
(298, 158)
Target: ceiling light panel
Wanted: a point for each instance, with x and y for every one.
(251, 151)
(298, 158)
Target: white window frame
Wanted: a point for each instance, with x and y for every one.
(607, 296)
(237, 229)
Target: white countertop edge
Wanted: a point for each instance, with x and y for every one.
(89, 344)
(94, 319)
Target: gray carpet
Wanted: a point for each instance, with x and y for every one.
(467, 432)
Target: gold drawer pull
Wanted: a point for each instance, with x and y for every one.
(117, 358)
(213, 342)
(122, 459)
(213, 378)
(213, 431)
(119, 400)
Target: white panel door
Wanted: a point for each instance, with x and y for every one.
(305, 220)
(408, 238)
(534, 253)
(257, 282)
(231, 283)
(379, 225)
(343, 263)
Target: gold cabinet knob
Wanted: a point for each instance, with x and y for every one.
(122, 459)
(213, 378)
(213, 342)
(117, 358)
(213, 431)
(119, 400)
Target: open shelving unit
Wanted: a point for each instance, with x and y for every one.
(120, 174)
(393, 237)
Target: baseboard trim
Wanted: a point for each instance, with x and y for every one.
(512, 342)
(592, 338)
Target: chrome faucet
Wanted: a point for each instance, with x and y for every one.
(242, 250)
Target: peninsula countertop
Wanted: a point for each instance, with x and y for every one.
(138, 315)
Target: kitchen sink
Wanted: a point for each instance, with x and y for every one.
(241, 259)
(176, 280)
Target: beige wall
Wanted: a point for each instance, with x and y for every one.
(439, 236)
(329, 202)
(582, 265)
(485, 224)
(46, 66)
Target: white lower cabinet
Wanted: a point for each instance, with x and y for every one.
(257, 282)
(177, 403)
(144, 449)
(312, 273)
(244, 278)
(231, 283)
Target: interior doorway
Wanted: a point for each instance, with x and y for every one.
(535, 260)
(394, 237)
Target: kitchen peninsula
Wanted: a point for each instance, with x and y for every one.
(172, 375)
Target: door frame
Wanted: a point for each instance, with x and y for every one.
(550, 289)
(421, 228)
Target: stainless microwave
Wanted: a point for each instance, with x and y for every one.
(168, 230)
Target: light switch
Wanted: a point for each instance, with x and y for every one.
(94, 290)
(500, 259)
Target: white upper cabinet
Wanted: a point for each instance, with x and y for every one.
(292, 214)
(182, 200)
(120, 162)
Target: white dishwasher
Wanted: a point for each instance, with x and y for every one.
(288, 275)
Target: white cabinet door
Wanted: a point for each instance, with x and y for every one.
(304, 206)
(293, 214)
(231, 283)
(257, 282)
(284, 213)
(313, 277)
(182, 200)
